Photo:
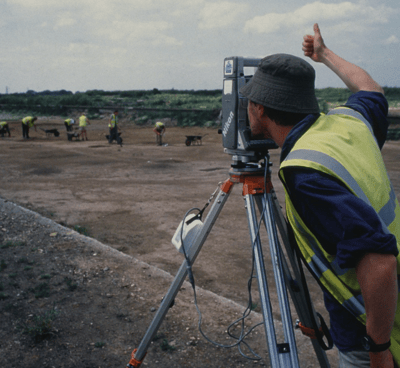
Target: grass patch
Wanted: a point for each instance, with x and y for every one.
(99, 344)
(25, 260)
(71, 285)
(42, 290)
(165, 346)
(10, 244)
(81, 230)
(40, 326)
(159, 336)
(45, 276)
(3, 296)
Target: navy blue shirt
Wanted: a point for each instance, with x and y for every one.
(343, 224)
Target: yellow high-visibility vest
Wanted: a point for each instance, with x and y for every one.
(83, 121)
(28, 121)
(114, 121)
(159, 125)
(342, 145)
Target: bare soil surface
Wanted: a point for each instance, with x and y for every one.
(73, 300)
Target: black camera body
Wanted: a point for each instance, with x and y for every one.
(236, 133)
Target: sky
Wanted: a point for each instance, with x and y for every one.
(80, 45)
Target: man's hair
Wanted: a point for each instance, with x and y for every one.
(284, 118)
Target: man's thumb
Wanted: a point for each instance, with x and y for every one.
(316, 30)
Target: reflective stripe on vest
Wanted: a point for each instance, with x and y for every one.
(386, 213)
(354, 114)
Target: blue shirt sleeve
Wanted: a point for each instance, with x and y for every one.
(374, 107)
(344, 224)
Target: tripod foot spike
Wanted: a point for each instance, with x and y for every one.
(133, 363)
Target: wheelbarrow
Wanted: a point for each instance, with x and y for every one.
(117, 139)
(50, 132)
(195, 139)
(73, 135)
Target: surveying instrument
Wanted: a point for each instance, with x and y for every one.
(251, 167)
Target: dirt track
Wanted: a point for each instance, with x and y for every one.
(133, 197)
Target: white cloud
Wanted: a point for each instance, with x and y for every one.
(359, 13)
(221, 15)
(138, 33)
(64, 22)
(391, 40)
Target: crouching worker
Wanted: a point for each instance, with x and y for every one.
(28, 122)
(4, 128)
(68, 124)
(159, 129)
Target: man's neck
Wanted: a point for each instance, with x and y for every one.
(279, 134)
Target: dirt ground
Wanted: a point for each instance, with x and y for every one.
(104, 287)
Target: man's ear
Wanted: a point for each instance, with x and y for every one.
(258, 109)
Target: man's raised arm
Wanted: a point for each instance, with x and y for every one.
(355, 78)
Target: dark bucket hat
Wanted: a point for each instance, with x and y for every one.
(283, 82)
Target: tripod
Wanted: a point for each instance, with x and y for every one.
(257, 191)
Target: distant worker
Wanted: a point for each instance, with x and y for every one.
(113, 127)
(68, 124)
(83, 122)
(159, 129)
(4, 128)
(28, 122)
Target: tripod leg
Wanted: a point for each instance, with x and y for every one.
(192, 252)
(281, 355)
(299, 294)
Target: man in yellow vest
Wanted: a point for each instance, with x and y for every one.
(4, 128)
(340, 205)
(113, 128)
(68, 124)
(28, 122)
(83, 122)
(159, 129)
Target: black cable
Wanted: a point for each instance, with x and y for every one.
(240, 339)
(188, 261)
